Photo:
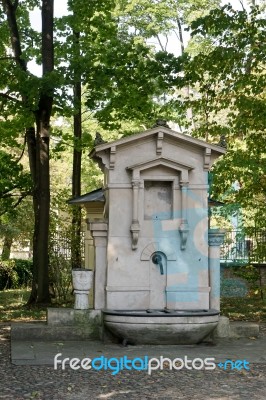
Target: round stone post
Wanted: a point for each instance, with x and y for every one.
(216, 238)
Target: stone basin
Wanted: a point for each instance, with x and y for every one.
(161, 326)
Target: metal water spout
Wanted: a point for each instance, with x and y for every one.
(157, 259)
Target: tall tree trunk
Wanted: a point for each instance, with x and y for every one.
(76, 173)
(38, 144)
(42, 153)
(39, 156)
(31, 144)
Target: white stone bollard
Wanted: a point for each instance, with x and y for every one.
(82, 283)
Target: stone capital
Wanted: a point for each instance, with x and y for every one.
(135, 184)
(100, 225)
(99, 233)
(216, 237)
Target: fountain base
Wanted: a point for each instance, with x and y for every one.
(161, 326)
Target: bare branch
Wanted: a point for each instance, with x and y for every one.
(10, 10)
(176, 33)
(166, 44)
(23, 150)
(242, 5)
(7, 193)
(7, 58)
(159, 41)
(17, 202)
(180, 34)
(157, 36)
(7, 96)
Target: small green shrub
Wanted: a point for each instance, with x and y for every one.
(24, 270)
(8, 275)
(252, 276)
(60, 277)
(15, 273)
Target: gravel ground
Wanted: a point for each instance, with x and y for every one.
(43, 382)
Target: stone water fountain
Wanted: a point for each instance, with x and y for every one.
(156, 263)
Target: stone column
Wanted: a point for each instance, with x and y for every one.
(216, 238)
(99, 233)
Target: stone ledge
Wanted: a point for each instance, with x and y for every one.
(62, 324)
(43, 332)
(235, 329)
(244, 329)
(70, 316)
(69, 324)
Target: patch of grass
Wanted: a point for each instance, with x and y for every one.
(13, 306)
(244, 308)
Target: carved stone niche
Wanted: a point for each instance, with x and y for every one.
(159, 199)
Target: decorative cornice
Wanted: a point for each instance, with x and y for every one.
(216, 237)
(98, 228)
(177, 136)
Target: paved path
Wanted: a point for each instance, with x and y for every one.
(33, 376)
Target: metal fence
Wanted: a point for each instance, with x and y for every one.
(242, 247)
(61, 245)
(239, 247)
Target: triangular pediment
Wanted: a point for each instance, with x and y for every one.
(161, 161)
(154, 132)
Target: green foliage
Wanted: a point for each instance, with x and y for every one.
(8, 275)
(15, 228)
(249, 273)
(15, 183)
(230, 75)
(128, 83)
(227, 83)
(15, 273)
(150, 19)
(23, 269)
(246, 279)
(60, 276)
(259, 240)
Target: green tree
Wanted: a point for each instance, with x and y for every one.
(228, 98)
(28, 106)
(124, 79)
(15, 183)
(15, 228)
